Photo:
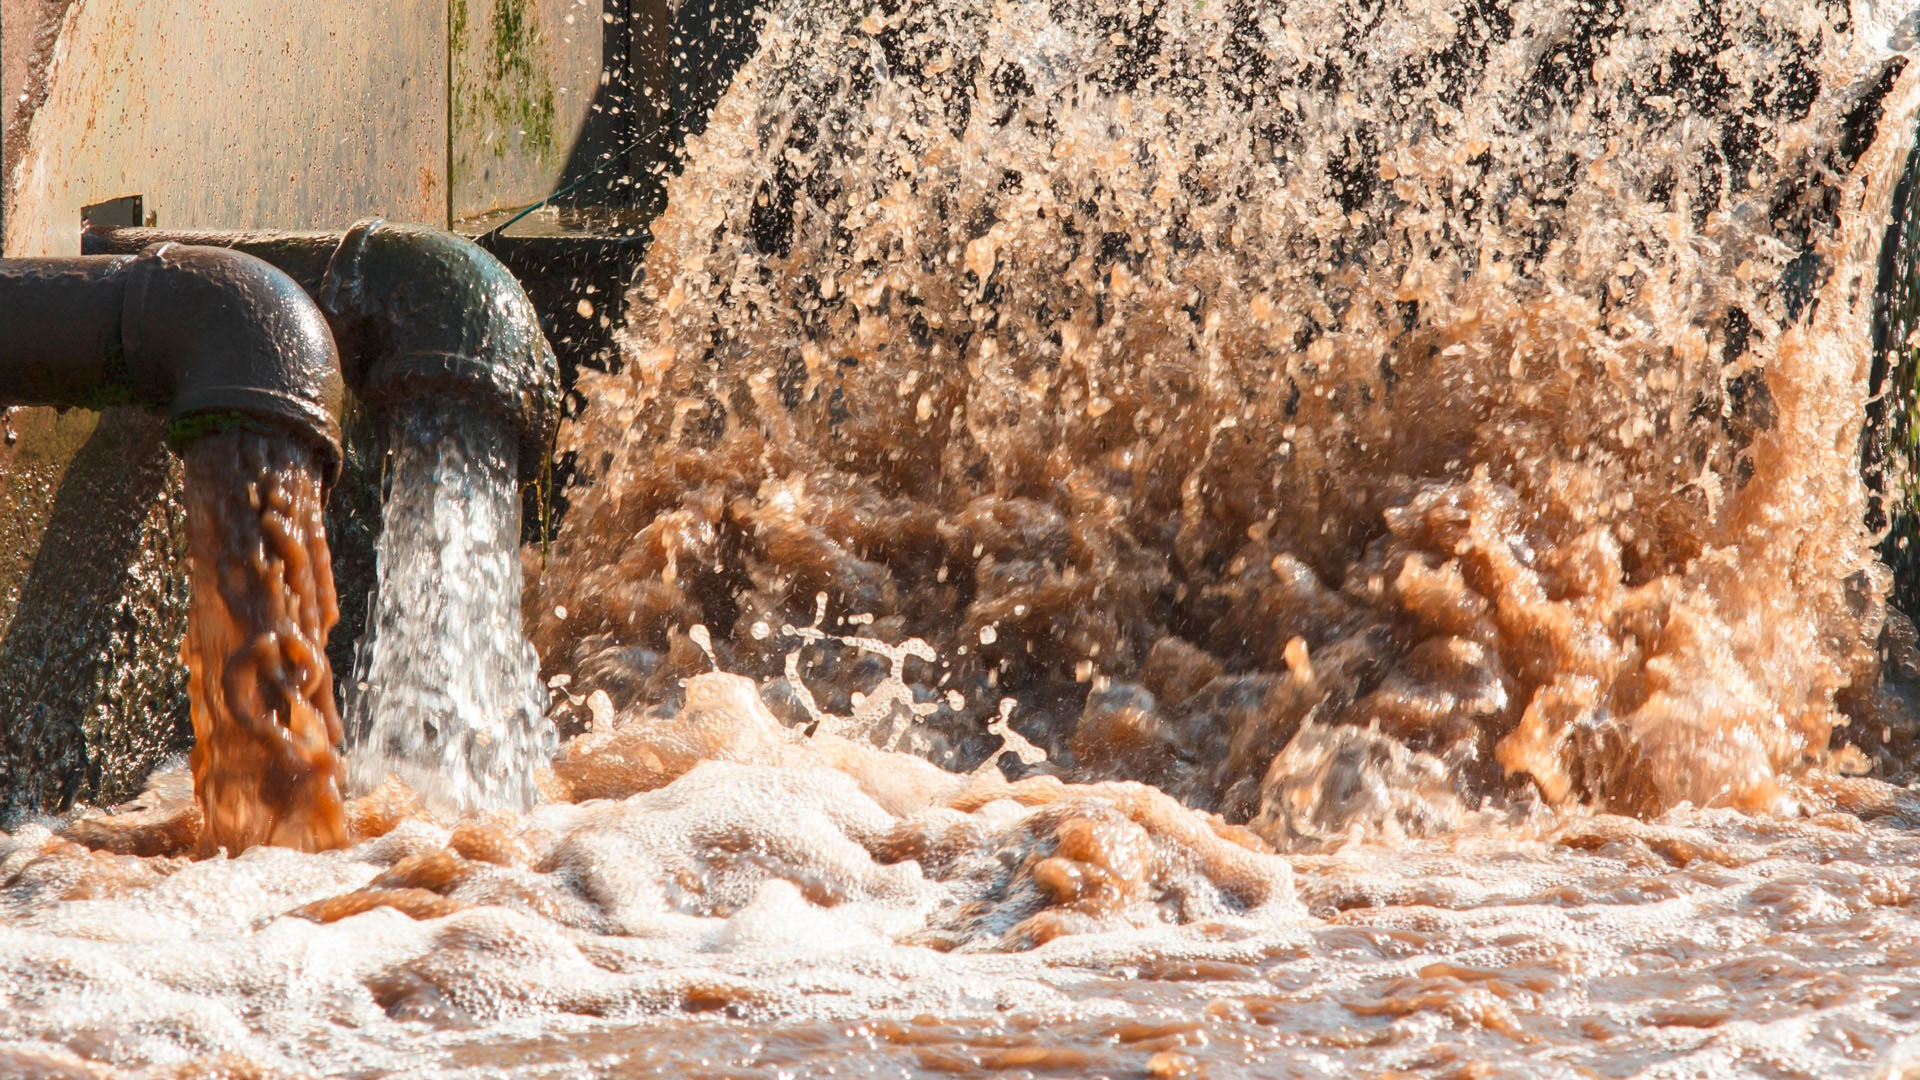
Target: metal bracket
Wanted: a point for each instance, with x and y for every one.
(127, 211)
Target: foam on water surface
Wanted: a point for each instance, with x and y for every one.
(821, 906)
(720, 862)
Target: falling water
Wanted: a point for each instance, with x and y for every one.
(264, 723)
(446, 694)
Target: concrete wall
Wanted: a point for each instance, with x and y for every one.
(236, 113)
(513, 111)
(244, 114)
(28, 31)
(544, 92)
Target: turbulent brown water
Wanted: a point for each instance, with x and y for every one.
(1217, 539)
(265, 727)
(1476, 387)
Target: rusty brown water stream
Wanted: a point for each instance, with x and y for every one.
(265, 727)
(1135, 539)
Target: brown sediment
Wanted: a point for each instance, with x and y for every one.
(149, 833)
(415, 903)
(265, 770)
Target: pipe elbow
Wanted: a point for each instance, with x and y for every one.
(430, 314)
(213, 332)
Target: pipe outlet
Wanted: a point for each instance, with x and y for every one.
(418, 312)
(208, 335)
(221, 332)
(425, 313)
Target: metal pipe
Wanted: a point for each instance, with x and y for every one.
(60, 320)
(207, 334)
(417, 312)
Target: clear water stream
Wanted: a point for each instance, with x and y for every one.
(446, 694)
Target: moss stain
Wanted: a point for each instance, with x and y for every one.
(501, 86)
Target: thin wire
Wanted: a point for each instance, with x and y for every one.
(617, 155)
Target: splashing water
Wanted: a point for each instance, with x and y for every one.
(1384, 476)
(1489, 376)
(447, 696)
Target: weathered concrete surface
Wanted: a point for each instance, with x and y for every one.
(524, 76)
(31, 471)
(28, 30)
(236, 113)
(522, 131)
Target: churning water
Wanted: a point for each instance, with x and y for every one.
(447, 695)
(1206, 538)
(1489, 377)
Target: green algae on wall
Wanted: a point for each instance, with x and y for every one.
(502, 97)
